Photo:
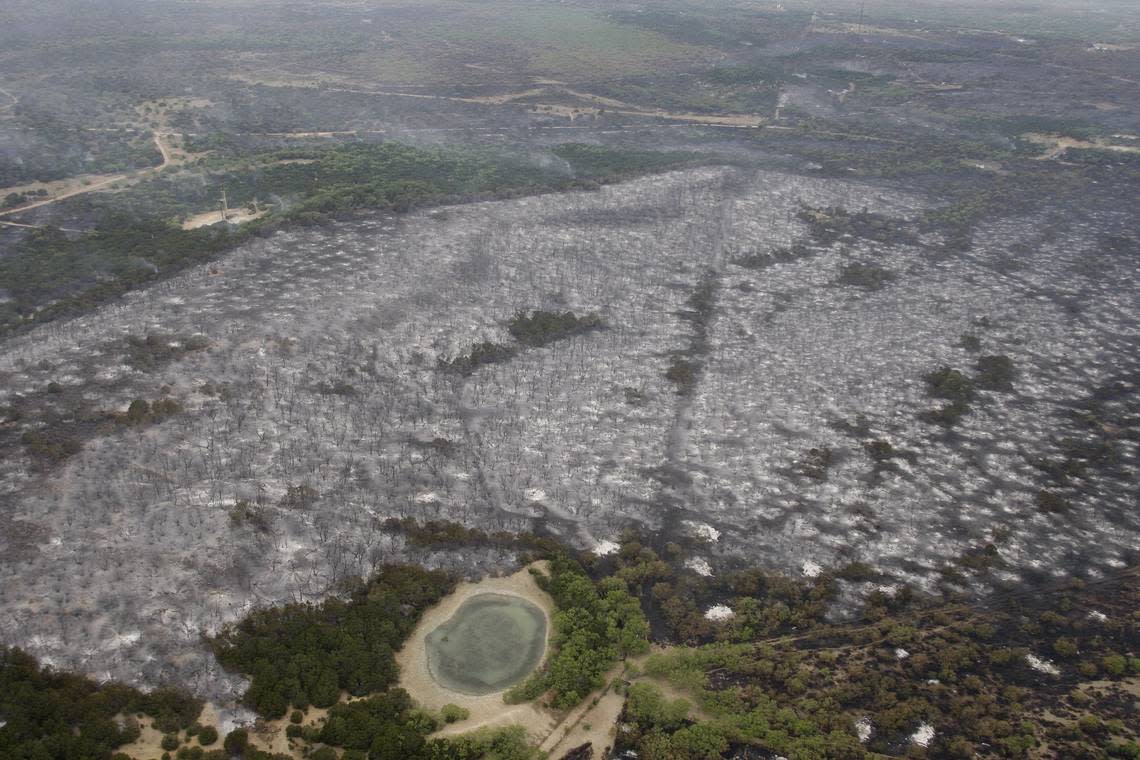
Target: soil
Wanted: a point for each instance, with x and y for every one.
(235, 216)
(1057, 145)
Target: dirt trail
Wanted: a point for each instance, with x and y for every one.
(172, 155)
(14, 100)
(71, 194)
(602, 709)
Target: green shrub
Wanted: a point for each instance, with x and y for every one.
(453, 713)
(646, 705)
(207, 735)
(995, 373)
(1115, 665)
(950, 384)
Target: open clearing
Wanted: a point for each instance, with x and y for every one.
(234, 216)
(1058, 144)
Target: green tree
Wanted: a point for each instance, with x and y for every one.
(236, 741)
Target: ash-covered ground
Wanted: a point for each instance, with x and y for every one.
(314, 405)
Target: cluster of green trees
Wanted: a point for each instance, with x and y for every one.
(441, 534)
(815, 463)
(682, 373)
(658, 728)
(740, 711)
(827, 225)
(48, 148)
(11, 200)
(299, 655)
(540, 328)
(480, 355)
(390, 727)
(599, 163)
(1105, 419)
(50, 715)
(965, 673)
(50, 274)
(304, 654)
(56, 422)
(245, 513)
(154, 350)
(142, 412)
(867, 276)
(957, 388)
(780, 255)
(530, 330)
(995, 373)
(594, 626)
(51, 445)
(676, 597)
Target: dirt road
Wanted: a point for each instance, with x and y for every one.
(70, 194)
(168, 159)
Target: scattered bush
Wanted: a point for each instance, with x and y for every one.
(1050, 502)
(453, 713)
(867, 276)
(683, 374)
(995, 373)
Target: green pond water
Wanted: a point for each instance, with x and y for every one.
(491, 642)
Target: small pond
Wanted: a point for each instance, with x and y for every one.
(492, 642)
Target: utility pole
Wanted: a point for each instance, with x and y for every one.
(225, 206)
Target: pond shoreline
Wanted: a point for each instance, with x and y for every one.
(487, 709)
